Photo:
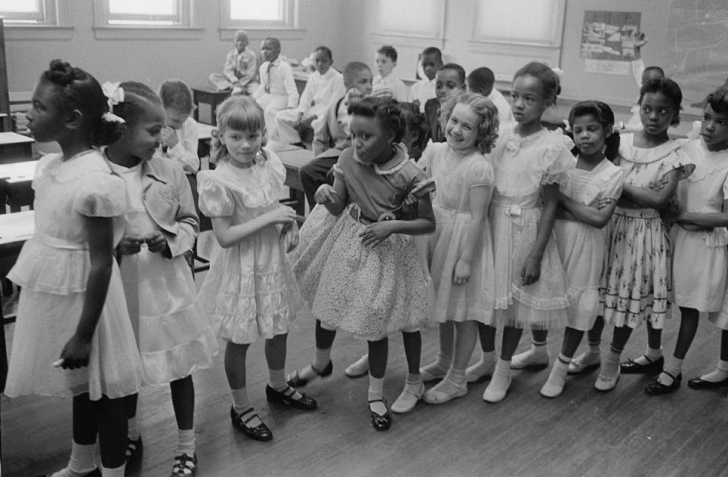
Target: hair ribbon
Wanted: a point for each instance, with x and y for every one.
(114, 94)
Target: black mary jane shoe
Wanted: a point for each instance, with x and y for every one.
(94, 473)
(633, 367)
(380, 422)
(283, 398)
(296, 381)
(656, 388)
(258, 433)
(698, 383)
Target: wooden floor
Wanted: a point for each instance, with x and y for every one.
(581, 433)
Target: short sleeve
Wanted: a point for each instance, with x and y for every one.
(614, 184)
(425, 162)
(556, 160)
(101, 195)
(481, 173)
(680, 160)
(215, 199)
(725, 189)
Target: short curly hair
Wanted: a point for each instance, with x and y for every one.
(670, 89)
(488, 114)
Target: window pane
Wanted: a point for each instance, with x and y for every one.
(20, 6)
(410, 16)
(143, 7)
(504, 20)
(256, 10)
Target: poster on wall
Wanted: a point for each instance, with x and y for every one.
(606, 41)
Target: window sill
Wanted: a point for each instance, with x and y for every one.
(544, 52)
(282, 33)
(148, 33)
(38, 32)
(409, 40)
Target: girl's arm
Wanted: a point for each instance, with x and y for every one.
(479, 203)
(653, 198)
(532, 267)
(587, 214)
(717, 219)
(376, 233)
(229, 235)
(334, 198)
(100, 232)
(563, 214)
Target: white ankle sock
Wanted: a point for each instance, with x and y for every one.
(595, 347)
(376, 392)
(277, 379)
(133, 425)
(653, 354)
(610, 363)
(718, 374)
(82, 461)
(116, 472)
(186, 442)
(321, 359)
(413, 379)
(241, 402)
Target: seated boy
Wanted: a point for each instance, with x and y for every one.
(240, 72)
(481, 81)
(277, 90)
(385, 83)
(424, 89)
(179, 135)
(323, 86)
(333, 135)
(449, 82)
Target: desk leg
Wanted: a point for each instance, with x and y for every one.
(3, 351)
(300, 199)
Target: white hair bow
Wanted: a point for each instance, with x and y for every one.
(559, 72)
(114, 93)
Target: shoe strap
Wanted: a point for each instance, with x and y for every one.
(184, 465)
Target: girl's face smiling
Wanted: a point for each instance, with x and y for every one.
(370, 142)
(715, 129)
(462, 128)
(243, 146)
(589, 135)
(45, 119)
(143, 138)
(656, 113)
(528, 101)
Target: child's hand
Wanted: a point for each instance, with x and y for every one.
(410, 199)
(376, 233)
(639, 39)
(156, 242)
(76, 353)
(130, 244)
(282, 215)
(169, 137)
(531, 270)
(325, 194)
(290, 236)
(659, 185)
(462, 273)
(306, 121)
(604, 202)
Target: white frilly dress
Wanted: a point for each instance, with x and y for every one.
(53, 270)
(455, 176)
(523, 165)
(583, 248)
(250, 292)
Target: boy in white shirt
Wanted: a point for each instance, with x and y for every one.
(179, 135)
(240, 72)
(424, 89)
(277, 90)
(481, 81)
(385, 83)
(323, 86)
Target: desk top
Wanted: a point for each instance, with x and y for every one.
(14, 138)
(16, 228)
(18, 170)
(295, 158)
(204, 131)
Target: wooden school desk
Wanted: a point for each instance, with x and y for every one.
(15, 147)
(15, 185)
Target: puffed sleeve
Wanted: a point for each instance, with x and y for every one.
(481, 173)
(680, 160)
(276, 166)
(425, 162)
(215, 199)
(101, 195)
(419, 182)
(614, 184)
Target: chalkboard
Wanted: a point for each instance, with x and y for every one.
(696, 48)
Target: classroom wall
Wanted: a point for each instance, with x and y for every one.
(154, 61)
(458, 26)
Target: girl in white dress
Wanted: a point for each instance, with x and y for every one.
(530, 162)
(699, 239)
(587, 200)
(173, 333)
(460, 252)
(638, 276)
(250, 292)
(72, 302)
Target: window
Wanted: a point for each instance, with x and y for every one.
(145, 19)
(29, 12)
(411, 18)
(262, 17)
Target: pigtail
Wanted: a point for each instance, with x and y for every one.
(611, 144)
(217, 148)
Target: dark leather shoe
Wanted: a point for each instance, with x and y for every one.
(697, 383)
(296, 381)
(656, 388)
(652, 367)
(259, 433)
(380, 422)
(277, 397)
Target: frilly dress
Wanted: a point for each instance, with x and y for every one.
(250, 291)
(523, 165)
(454, 177)
(173, 333)
(370, 292)
(638, 276)
(53, 270)
(700, 258)
(583, 248)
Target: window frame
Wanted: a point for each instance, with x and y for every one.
(55, 24)
(185, 29)
(287, 28)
